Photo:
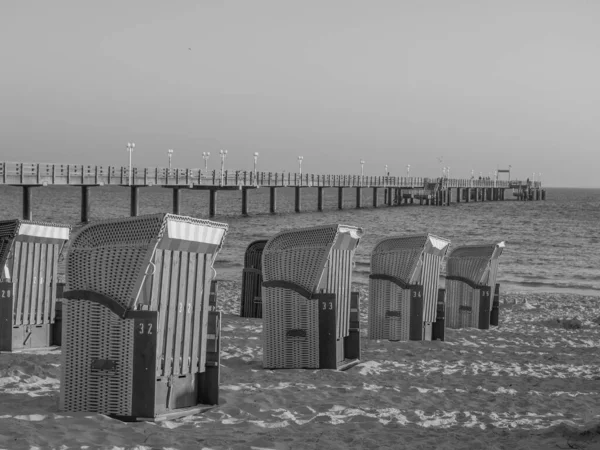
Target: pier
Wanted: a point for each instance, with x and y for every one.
(397, 190)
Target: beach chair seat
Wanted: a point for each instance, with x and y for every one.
(310, 315)
(471, 289)
(141, 334)
(251, 300)
(403, 287)
(29, 258)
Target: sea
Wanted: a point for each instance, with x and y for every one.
(551, 246)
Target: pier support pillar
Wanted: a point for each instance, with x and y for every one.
(85, 204)
(468, 195)
(340, 198)
(176, 203)
(244, 201)
(27, 212)
(320, 199)
(398, 194)
(273, 200)
(448, 196)
(298, 197)
(385, 196)
(543, 194)
(375, 199)
(134, 205)
(458, 195)
(212, 202)
(358, 198)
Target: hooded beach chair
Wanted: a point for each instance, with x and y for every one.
(251, 304)
(29, 258)
(403, 287)
(310, 315)
(140, 338)
(471, 289)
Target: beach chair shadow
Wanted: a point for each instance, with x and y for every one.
(141, 334)
(403, 287)
(29, 259)
(471, 290)
(310, 315)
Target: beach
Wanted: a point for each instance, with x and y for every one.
(530, 383)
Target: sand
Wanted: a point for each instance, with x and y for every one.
(533, 382)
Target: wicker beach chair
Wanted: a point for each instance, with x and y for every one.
(403, 287)
(471, 288)
(140, 338)
(310, 315)
(29, 254)
(251, 301)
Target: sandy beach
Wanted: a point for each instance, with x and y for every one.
(530, 383)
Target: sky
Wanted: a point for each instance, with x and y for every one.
(470, 85)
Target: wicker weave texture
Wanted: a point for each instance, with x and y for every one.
(391, 298)
(112, 257)
(459, 294)
(252, 280)
(92, 332)
(290, 330)
(473, 262)
(479, 265)
(300, 255)
(319, 259)
(412, 260)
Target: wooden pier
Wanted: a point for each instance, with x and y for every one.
(397, 190)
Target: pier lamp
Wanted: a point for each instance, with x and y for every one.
(472, 173)
(362, 167)
(130, 147)
(533, 178)
(300, 158)
(386, 171)
(255, 160)
(223, 154)
(170, 153)
(205, 156)
(448, 172)
(408, 170)
(444, 172)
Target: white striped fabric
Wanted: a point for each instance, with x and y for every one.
(191, 237)
(44, 231)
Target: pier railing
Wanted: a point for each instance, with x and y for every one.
(42, 174)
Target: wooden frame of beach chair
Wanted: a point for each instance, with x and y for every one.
(403, 287)
(141, 336)
(251, 300)
(29, 258)
(471, 272)
(310, 315)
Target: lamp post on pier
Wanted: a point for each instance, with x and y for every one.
(223, 154)
(255, 160)
(408, 170)
(300, 158)
(448, 172)
(130, 147)
(205, 156)
(386, 170)
(170, 153)
(362, 167)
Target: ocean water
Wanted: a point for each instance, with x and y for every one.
(551, 246)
